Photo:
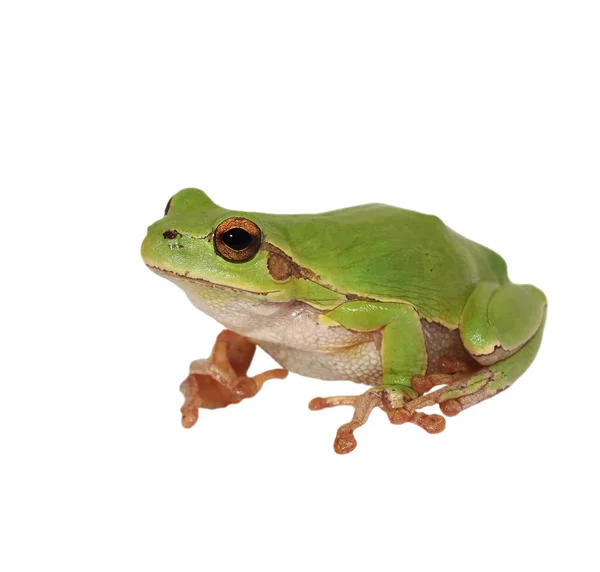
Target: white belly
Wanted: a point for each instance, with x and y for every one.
(290, 333)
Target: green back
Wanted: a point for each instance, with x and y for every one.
(387, 253)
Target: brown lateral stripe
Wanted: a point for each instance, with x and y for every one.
(282, 267)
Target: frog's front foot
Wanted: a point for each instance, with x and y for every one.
(391, 399)
(221, 379)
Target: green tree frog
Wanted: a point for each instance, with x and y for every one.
(373, 294)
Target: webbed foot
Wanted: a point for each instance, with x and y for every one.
(221, 379)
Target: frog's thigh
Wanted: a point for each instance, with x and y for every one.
(457, 397)
(403, 352)
(499, 319)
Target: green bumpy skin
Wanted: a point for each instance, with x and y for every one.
(369, 269)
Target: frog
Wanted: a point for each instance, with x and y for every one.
(374, 294)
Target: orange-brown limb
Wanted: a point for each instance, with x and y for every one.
(345, 441)
(449, 370)
(463, 391)
(222, 379)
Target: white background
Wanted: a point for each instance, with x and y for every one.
(486, 114)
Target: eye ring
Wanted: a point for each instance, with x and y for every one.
(237, 239)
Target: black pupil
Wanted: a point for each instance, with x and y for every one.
(237, 238)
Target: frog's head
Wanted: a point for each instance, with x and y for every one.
(198, 242)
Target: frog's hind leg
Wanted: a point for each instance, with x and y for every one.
(467, 390)
(501, 328)
(499, 319)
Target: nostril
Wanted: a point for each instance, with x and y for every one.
(170, 234)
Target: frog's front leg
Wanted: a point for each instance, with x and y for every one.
(403, 355)
(221, 379)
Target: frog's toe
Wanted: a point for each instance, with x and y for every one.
(345, 442)
(423, 383)
(448, 371)
(189, 409)
(452, 407)
(432, 423)
(319, 403)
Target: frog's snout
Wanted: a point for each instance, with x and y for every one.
(158, 242)
(173, 237)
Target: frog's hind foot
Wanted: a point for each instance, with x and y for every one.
(389, 399)
(221, 379)
(461, 391)
(449, 370)
(464, 386)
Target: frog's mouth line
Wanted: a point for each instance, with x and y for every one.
(169, 274)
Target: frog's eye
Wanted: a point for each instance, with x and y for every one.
(237, 239)
(168, 206)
